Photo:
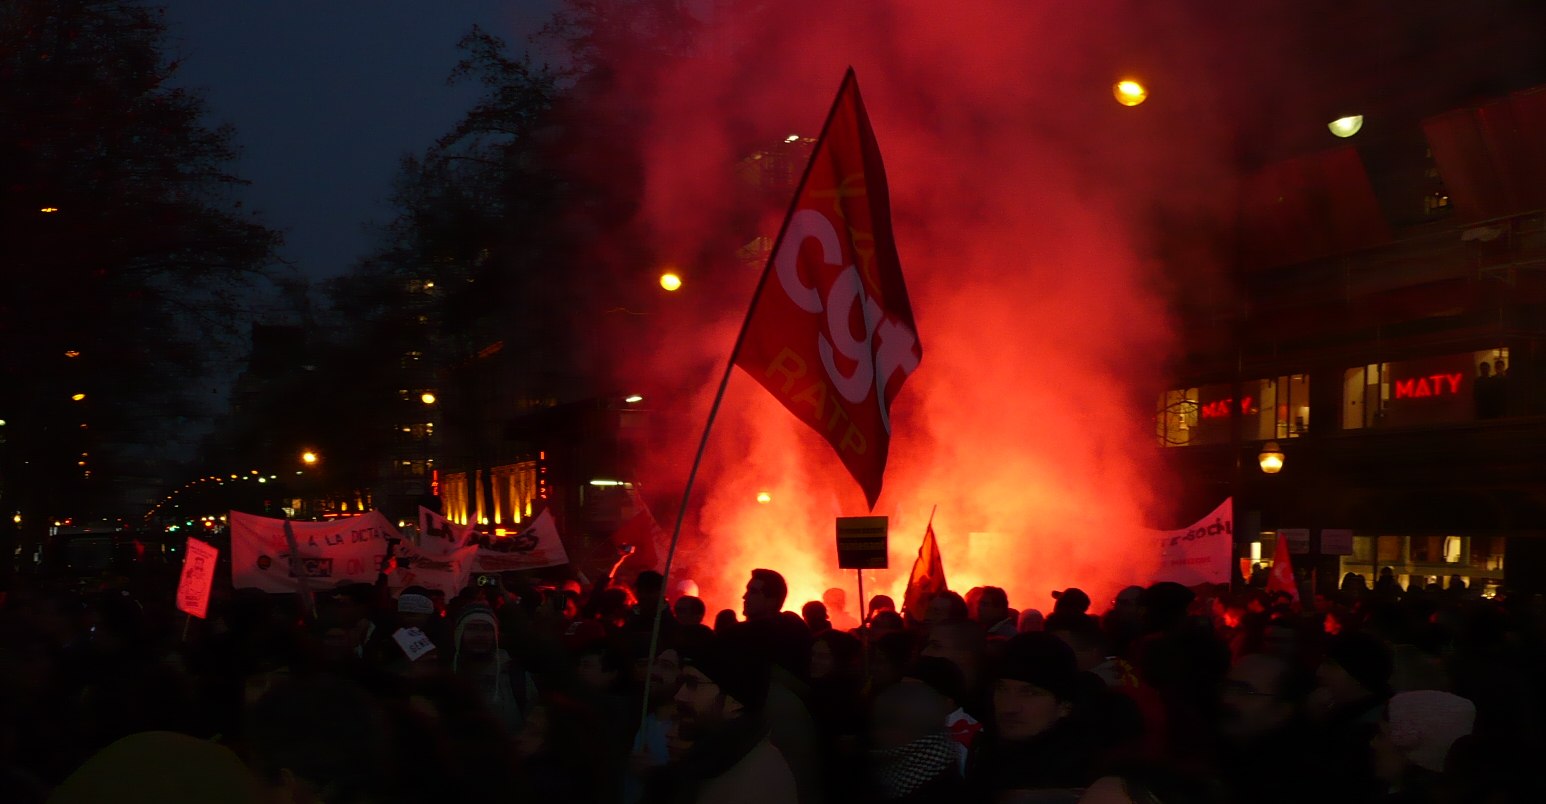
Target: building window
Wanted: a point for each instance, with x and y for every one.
(1437, 390)
(1177, 417)
(1276, 408)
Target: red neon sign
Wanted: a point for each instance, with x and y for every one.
(1220, 409)
(1430, 386)
(434, 482)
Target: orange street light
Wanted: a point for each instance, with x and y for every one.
(308, 457)
(670, 282)
(1129, 92)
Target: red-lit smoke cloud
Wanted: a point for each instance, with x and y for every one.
(1025, 202)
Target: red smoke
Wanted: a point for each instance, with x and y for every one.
(1025, 204)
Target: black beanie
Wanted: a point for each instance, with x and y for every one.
(740, 672)
(1041, 659)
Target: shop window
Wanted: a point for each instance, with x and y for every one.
(1452, 549)
(1428, 391)
(1270, 409)
(1388, 551)
(1363, 550)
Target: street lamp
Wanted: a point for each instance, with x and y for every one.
(1129, 92)
(670, 282)
(308, 457)
(1345, 127)
(427, 398)
(1271, 458)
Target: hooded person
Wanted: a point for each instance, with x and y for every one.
(477, 658)
(728, 757)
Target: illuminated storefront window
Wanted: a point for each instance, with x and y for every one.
(1437, 390)
(1270, 409)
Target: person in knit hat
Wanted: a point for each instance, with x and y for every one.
(719, 715)
(1036, 743)
(1415, 737)
(477, 658)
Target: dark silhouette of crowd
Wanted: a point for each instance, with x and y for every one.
(558, 693)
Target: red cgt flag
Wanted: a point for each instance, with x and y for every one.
(831, 333)
(928, 578)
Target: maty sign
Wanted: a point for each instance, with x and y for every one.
(415, 643)
(197, 576)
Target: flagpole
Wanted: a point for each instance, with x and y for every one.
(724, 383)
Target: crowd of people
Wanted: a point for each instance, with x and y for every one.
(518, 692)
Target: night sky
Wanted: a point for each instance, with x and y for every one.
(326, 95)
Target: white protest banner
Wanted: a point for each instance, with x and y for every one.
(197, 576)
(533, 548)
(1336, 542)
(447, 573)
(439, 536)
(1298, 540)
(415, 643)
(328, 553)
(1199, 554)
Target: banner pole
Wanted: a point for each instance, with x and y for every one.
(298, 569)
(724, 383)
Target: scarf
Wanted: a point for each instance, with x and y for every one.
(900, 771)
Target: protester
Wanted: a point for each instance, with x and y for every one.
(478, 658)
(836, 601)
(719, 711)
(994, 614)
(913, 759)
(1037, 744)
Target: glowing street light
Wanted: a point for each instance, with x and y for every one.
(670, 281)
(1271, 458)
(1129, 92)
(1345, 127)
(72, 353)
(48, 210)
(427, 398)
(77, 397)
(634, 399)
(764, 498)
(308, 457)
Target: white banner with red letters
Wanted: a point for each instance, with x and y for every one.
(535, 547)
(329, 553)
(440, 560)
(1199, 554)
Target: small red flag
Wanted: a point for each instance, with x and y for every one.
(928, 578)
(644, 534)
(1281, 578)
(831, 333)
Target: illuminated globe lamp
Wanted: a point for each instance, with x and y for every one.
(1345, 127)
(1271, 458)
(670, 282)
(1129, 92)
(764, 498)
(308, 457)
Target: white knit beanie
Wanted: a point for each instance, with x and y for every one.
(1424, 724)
